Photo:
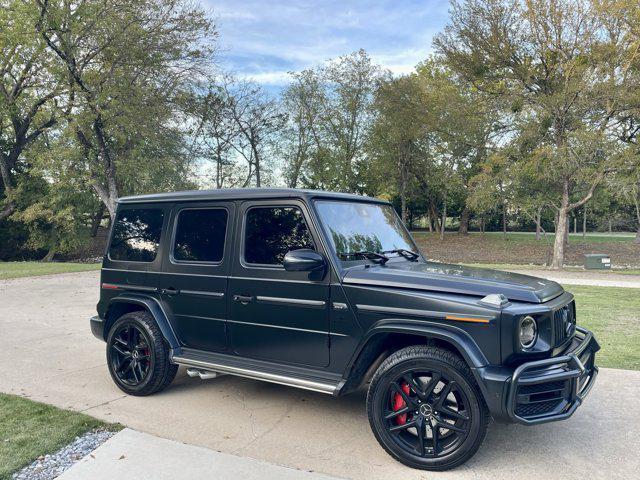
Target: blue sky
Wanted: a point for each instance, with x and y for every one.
(264, 40)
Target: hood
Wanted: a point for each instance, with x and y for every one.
(442, 277)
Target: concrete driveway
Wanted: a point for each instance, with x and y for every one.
(47, 353)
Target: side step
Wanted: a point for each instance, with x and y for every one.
(207, 365)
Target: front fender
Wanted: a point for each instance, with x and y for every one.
(457, 337)
(154, 307)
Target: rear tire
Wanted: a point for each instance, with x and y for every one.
(414, 396)
(138, 355)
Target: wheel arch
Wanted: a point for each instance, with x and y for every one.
(389, 336)
(130, 302)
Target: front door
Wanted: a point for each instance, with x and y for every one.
(194, 280)
(274, 314)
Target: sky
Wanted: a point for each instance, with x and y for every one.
(264, 40)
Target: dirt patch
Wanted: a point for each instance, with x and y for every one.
(457, 248)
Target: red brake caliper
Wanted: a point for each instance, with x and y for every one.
(399, 403)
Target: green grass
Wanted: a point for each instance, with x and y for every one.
(509, 266)
(530, 237)
(29, 429)
(30, 269)
(613, 315)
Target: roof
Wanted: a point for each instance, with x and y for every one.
(244, 194)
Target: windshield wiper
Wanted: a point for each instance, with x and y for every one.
(408, 254)
(367, 254)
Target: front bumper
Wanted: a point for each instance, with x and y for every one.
(97, 327)
(552, 389)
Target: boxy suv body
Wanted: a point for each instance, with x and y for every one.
(328, 292)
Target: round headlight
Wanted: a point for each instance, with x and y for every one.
(528, 332)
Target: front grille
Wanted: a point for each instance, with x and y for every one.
(540, 398)
(535, 409)
(564, 323)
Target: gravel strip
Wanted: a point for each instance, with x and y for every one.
(47, 467)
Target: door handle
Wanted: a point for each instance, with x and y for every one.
(170, 291)
(243, 299)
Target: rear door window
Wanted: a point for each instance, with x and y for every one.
(136, 235)
(270, 232)
(200, 235)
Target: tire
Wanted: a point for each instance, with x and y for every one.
(150, 371)
(433, 387)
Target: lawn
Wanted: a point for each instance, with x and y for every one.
(30, 269)
(595, 237)
(507, 266)
(523, 248)
(29, 429)
(613, 315)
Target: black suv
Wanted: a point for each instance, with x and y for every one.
(328, 292)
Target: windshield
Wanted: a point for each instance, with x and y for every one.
(363, 227)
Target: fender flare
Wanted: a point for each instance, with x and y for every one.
(461, 340)
(154, 307)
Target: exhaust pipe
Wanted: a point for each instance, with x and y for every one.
(203, 374)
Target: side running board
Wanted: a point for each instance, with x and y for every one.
(216, 363)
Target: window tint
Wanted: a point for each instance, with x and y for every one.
(136, 235)
(271, 232)
(200, 235)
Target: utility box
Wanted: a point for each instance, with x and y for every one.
(597, 261)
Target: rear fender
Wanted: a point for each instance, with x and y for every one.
(154, 307)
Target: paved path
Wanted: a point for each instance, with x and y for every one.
(48, 353)
(132, 454)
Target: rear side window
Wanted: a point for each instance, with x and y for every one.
(136, 235)
(200, 235)
(270, 232)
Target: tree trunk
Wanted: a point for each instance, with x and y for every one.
(637, 203)
(444, 215)
(464, 221)
(584, 222)
(610, 229)
(403, 206)
(8, 209)
(97, 219)
(257, 172)
(504, 221)
(560, 242)
(538, 220)
(482, 224)
(575, 224)
(49, 256)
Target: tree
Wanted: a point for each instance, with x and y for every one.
(464, 124)
(29, 96)
(257, 118)
(396, 144)
(332, 107)
(127, 61)
(559, 66)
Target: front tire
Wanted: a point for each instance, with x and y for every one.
(425, 408)
(138, 355)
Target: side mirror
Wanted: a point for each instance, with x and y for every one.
(304, 260)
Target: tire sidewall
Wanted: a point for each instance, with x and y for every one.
(380, 387)
(133, 320)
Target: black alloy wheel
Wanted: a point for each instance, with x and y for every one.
(427, 413)
(130, 354)
(425, 408)
(138, 355)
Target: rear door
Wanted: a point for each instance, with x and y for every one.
(274, 314)
(195, 269)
